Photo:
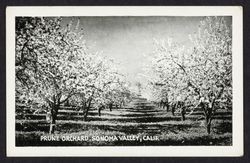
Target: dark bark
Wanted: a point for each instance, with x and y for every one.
(208, 113)
(183, 113)
(110, 107)
(67, 103)
(159, 104)
(84, 108)
(208, 123)
(167, 106)
(86, 111)
(208, 126)
(173, 110)
(54, 111)
(120, 105)
(99, 110)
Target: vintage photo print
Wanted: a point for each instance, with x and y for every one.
(124, 81)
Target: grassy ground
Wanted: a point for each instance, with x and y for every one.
(163, 128)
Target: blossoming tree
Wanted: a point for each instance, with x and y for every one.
(199, 76)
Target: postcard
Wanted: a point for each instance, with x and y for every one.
(124, 81)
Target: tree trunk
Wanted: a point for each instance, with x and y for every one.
(110, 106)
(54, 111)
(173, 110)
(85, 114)
(161, 105)
(99, 111)
(67, 103)
(208, 128)
(209, 119)
(86, 111)
(183, 112)
(208, 124)
(52, 126)
(167, 105)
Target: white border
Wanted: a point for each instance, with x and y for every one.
(235, 150)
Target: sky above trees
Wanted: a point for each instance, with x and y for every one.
(130, 39)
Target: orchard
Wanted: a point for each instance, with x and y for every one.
(197, 77)
(65, 87)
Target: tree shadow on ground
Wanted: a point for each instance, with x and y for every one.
(127, 129)
(223, 127)
(136, 115)
(142, 111)
(137, 119)
(150, 129)
(134, 121)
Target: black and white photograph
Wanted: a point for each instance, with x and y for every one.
(127, 80)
